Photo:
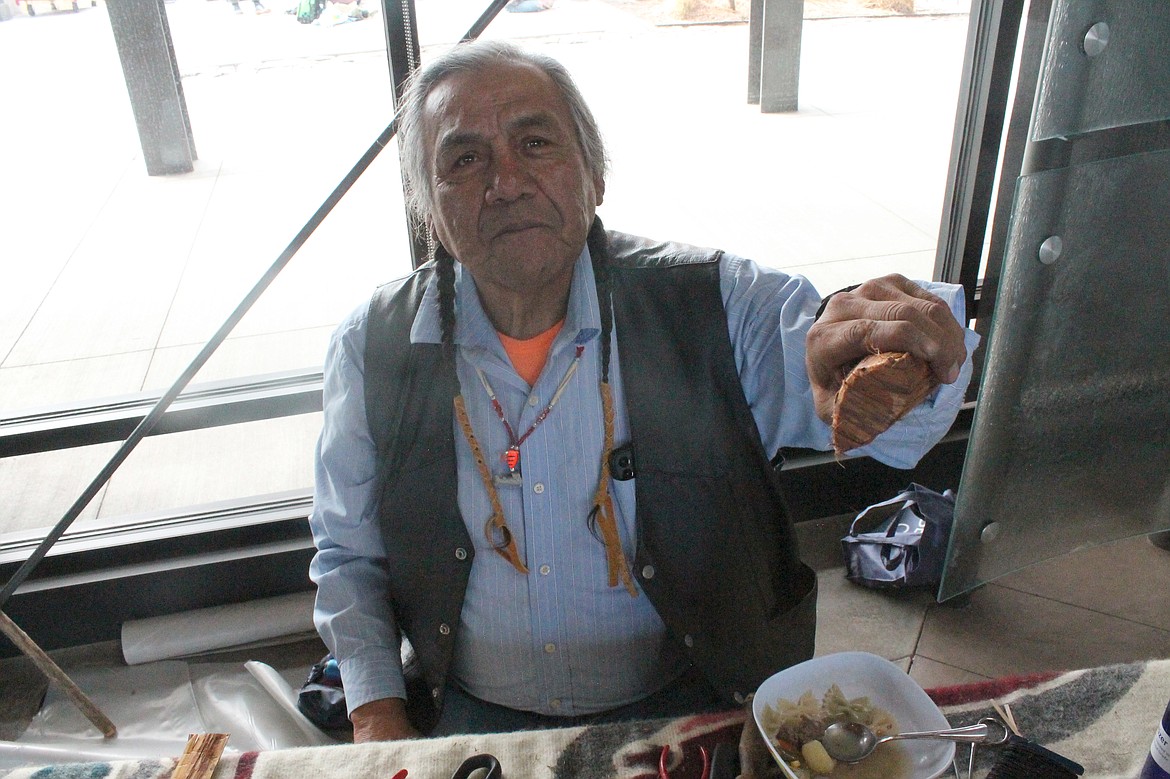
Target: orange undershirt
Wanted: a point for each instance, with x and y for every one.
(529, 355)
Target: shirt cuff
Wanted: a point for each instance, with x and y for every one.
(371, 676)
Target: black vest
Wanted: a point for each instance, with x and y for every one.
(716, 552)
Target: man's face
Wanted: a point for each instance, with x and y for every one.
(513, 198)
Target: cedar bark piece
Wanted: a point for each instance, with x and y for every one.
(878, 392)
(201, 756)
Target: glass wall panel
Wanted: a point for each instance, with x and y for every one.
(119, 278)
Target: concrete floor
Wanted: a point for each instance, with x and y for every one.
(113, 280)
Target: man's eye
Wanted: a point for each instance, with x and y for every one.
(463, 160)
(535, 143)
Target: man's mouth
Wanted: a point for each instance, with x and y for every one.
(518, 228)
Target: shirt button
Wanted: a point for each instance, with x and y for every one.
(688, 640)
(444, 629)
(550, 648)
(544, 570)
(532, 400)
(555, 703)
(648, 572)
(460, 554)
(538, 488)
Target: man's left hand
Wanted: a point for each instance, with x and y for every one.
(890, 314)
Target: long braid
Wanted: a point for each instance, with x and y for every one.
(445, 268)
(602, 520)
(599, 254)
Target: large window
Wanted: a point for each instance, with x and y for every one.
(115, 279)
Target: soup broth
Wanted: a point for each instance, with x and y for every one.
(889, 761)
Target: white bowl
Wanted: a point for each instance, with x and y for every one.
(885, 684)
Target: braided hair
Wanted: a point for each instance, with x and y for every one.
(445, 270)
(599, 254)
(602, 517)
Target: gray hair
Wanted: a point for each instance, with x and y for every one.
(472, 56)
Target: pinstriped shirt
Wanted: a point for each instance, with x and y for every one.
(558, 640)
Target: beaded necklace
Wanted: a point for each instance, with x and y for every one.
(512, 453)
(602, 513)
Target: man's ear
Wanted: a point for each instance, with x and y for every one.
(599, 188)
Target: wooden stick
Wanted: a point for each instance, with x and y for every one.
(1005, 713)
(54, 672)
(201, 756)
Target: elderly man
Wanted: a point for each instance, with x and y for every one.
(545, 459)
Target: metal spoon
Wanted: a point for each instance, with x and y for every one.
(852, 742)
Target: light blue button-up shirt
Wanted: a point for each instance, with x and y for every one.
(558, 640)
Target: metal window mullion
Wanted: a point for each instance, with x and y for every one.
(987, 70)
(403, 57)
(1016, 148)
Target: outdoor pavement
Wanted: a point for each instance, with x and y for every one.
(112, 280)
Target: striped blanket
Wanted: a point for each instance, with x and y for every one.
(1103, 718)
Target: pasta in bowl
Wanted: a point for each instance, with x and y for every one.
(792, 708)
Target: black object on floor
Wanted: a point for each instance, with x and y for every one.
(1021, 759)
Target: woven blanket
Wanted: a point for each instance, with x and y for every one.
(1103, 718)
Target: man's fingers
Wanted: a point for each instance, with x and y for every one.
(891, 299)
(890, 314)
(840, 345)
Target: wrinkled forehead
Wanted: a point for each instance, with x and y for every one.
(485, 100)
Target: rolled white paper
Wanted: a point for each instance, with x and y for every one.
(236, 625)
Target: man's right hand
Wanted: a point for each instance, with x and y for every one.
(382, 720)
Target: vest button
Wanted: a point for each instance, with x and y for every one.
(689, 640)
(444, 629)
(648, 572)
(460, 553)
(435, 693)
(739, 697)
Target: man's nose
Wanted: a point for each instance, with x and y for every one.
(508, 178)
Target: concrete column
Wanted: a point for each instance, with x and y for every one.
(774, 43)
(143, 37)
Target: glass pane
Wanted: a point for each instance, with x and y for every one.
(1071, 440)
(1106, 67)
(115, 279)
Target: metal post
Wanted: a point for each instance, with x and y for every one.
(402, 52)
(143, 38)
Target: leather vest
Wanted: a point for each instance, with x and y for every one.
(716, 552)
